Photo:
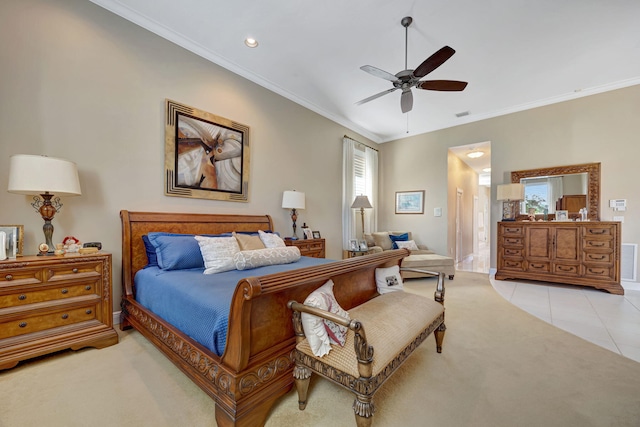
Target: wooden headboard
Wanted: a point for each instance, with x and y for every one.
(137, 224)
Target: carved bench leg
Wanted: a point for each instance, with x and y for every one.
(364, 409)
(302, 378)
(439, 334)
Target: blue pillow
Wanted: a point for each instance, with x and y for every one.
(152, 259)
(398, 238)
(178, 251)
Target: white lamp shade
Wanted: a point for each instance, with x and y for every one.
(31, 174)
(361, 202)
(293, 200)
(510, 192)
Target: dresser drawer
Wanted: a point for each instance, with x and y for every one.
(512, 264)
(76, 270)
(588, 244)
(21, 276)
(538, 266)
(50, 293)
(512, 241)
(30, 323)
(604, 257)
(512, 230)
(598, 272)
(512, 252)
(566, 269)
(598, 230)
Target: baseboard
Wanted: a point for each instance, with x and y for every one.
(116, 318)
(630, 286)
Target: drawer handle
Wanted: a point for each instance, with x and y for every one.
(8, 277)
(65, 316)
(537, 265)
(65, 291)
(592, 271)
(597, 258)
(596, 244)
(75, 270)
(87, 288)
(561, 268)
(23, 324)
(88, 311)
(593, 231)
(22, 297)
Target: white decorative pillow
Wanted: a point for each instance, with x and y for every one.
(271, 240)
(218, 253)
(245, 260)
(389, 279)
(409, 244)
(321, 333)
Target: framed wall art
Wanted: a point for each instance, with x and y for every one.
(410, 202)
(14, 236)
(562, 215)
(206, 156)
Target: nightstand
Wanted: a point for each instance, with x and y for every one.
(352, 254)
(308, 247)
(52, 303)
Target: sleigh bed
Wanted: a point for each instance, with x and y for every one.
(255, 366)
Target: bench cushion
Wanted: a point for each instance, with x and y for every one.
(391, 322)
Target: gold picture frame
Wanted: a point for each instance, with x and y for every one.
(206, 156)
(14, 242)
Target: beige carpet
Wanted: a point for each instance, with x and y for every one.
(499, 367)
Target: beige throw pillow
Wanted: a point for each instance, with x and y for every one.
(248, 242)
(381, 238)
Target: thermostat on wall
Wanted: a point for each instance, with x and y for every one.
(618, 204)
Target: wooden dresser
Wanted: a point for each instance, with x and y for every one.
(52, 303)
(578, 253)
(308, 247)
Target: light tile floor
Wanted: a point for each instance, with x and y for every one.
(610, 321)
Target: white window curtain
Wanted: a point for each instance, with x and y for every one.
(360, 177)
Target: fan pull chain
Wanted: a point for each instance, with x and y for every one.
(407, 122)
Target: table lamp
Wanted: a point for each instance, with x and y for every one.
(362, 203)
(293, 200)
(45, 176)
(510, 194)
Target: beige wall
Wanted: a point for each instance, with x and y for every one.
(80, 83)
(599, 128)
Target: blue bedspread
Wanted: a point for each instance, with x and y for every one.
(198, 304)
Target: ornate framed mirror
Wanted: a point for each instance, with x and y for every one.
(592, 179)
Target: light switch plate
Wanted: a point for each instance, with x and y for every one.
(437, 211)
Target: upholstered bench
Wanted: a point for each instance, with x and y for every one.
(431, 262)
(396, 323)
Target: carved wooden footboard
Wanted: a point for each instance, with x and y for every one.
(256, 367)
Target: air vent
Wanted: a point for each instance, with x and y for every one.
(628, 262)
(464, 113)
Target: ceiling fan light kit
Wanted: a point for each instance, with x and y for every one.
(408, 79)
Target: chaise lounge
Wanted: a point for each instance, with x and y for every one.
(421, 256)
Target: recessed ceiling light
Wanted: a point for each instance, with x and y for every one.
(251, 42)
(486, 170)
(475, 154)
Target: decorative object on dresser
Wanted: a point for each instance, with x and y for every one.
(361, 202)
(510, 194)
(13, 240)
(308, 247)
(44, 176)
(293, 200)
(49, 304)
(205, 156)
(575, 253)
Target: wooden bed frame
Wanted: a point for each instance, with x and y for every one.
(257, 364)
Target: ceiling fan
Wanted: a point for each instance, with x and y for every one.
(407, 79)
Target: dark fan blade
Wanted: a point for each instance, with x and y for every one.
(406, 101)
(442, 85)
(379, 73)
(434, 61)
(377, 95)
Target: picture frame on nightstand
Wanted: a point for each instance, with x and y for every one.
(308, 234)
(363, 246)
(316, 235)
(13, 240)
(353, 245)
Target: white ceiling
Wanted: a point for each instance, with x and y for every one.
(515, 54)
